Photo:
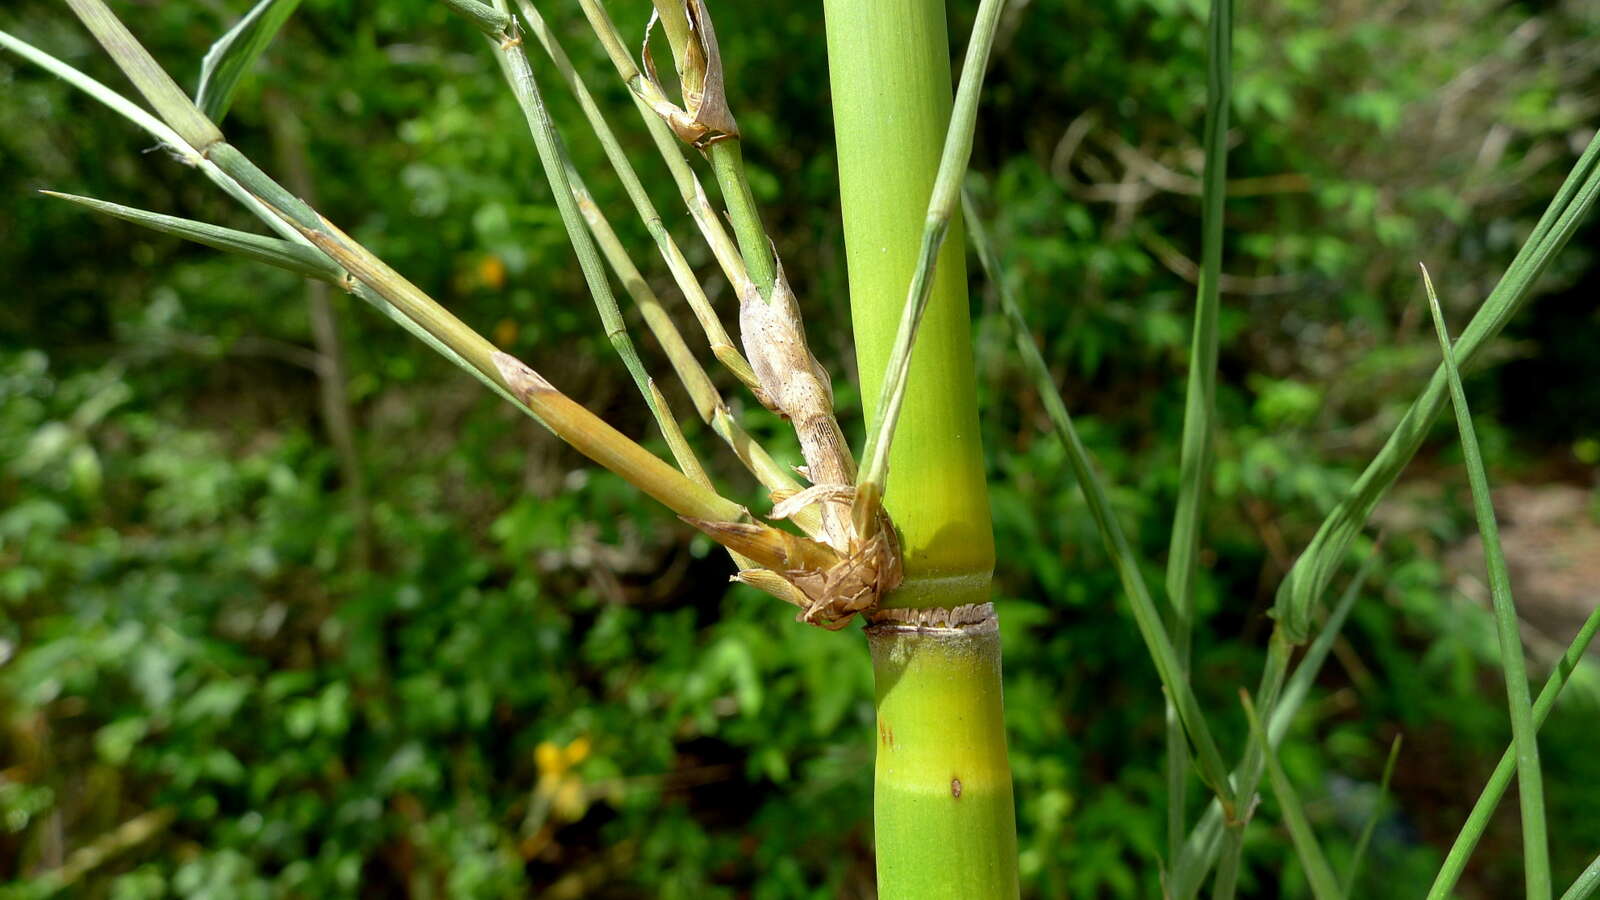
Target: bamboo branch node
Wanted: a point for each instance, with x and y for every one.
(968, 618)
(704, 118)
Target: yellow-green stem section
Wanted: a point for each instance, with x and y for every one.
(889, 64)
(942, 805)
(943, 813)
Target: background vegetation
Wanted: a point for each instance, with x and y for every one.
(240, 658)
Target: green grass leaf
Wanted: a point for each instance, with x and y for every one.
(1200, 398)
(296, 258)
(1323, 885)
(226, 63)
(1586, 883)
(1472, 830)
(1530, 780)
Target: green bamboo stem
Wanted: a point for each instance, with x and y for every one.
(942, 798)
(942, 207)
(889, 66)
(938, 693)
(722, 345)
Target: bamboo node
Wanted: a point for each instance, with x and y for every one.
(971, 618)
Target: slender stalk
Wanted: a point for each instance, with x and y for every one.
(727, 164)
(1324, 886)
(1586, 883)
(519, 75)
(722, 345)
(938, 694)
(1530, 780)
(1455, 862)
(1195, 463)
(1127, 563)
(1248, 778)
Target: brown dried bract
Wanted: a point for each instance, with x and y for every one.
(704, 118)
(829, 587)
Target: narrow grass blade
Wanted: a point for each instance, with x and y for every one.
(169, 101)
(1371, 825)
(296, 258)
(1586, 883)
(1205, 841)
(942, 206)
(1323, 884)
(1200, 399)
(113, 100)
(1145, 614)
(1530, 781)
(1455, 862)
(226, 63)
(1306, 581)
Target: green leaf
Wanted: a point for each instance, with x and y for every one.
(226, 63)
(1323, 885)
(1530, 780)
(1200, 399)
(1372, 820)
(1455, 862)
(1586, 883)
(296, 258)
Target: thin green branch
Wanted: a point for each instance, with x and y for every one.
(1530, 780)
(1324, 886)
(1371, 825)
(507, 45)
(690, 190)
(1195, 458)
(943, 205)
(1145, 614)
(1586, 883)
(727, 165)
(1455, 862)
(722, 345)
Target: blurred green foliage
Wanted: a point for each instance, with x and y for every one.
(532, 679)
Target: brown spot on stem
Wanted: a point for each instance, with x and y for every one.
(955, 788)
